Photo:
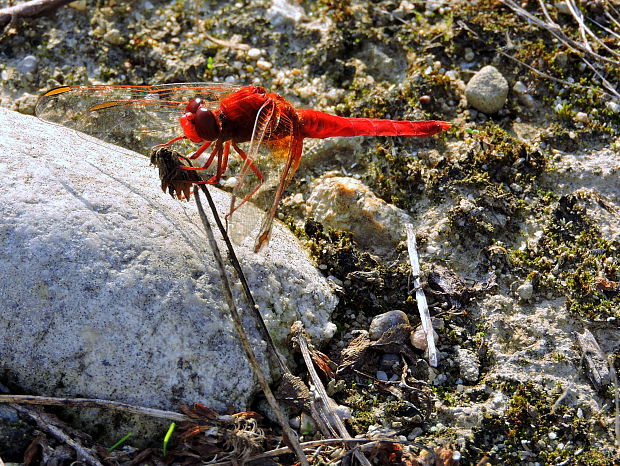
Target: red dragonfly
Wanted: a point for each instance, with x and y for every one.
(216, 116)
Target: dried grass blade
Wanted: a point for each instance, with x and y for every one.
(289, 435)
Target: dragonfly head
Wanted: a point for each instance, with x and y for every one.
(199, 123)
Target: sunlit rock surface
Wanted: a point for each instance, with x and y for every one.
(109, 288)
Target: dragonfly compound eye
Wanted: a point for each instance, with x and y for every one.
(206, 124)
(193, 106)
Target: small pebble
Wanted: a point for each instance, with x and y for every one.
(469, 54)
(582, 117)
(27, 65)
(382, 376)
(294, 422)
(381, 323)
(254, 53)
(613, 106)
(79, 5)
(469, 365)
(114, 37)
(525, 291)
(264, 65)
(487, 90)
(418, 338)
(519, 88)
(425, 99)
(562, 8)
(527, 100)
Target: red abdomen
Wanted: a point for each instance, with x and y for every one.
(315, 124)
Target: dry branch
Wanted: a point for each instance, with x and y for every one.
(30, 9)
(47, 424)
(94, 403)
(323, 411)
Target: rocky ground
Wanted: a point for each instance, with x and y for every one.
(516, 209)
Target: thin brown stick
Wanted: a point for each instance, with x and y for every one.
(30, 9)
(94, 403)
(244, 284)
(47, 424)
(289, 435)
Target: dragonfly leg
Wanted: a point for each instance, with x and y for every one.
(172, 141)
(199, 152)
(222, 164)
(256, 171)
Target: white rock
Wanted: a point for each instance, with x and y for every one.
(562, 8)
(525, 291)
(345, 203)
(254, 53)
(487, 90)
(613, 106)
(264, 65)
(519, 87)
(109, 289)
(282, 12)
(469, 365)
(28, 64)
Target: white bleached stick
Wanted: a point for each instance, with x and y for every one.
(425, 316)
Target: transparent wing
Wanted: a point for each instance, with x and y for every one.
(295, 148)
(276, 159)
(136, 117)
(265, 119)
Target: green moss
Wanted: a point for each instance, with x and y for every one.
(371, 407)
(574, 260)
(371, 285)
(533, 428)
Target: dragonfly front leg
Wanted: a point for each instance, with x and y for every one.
(172, 141)
(222, 163)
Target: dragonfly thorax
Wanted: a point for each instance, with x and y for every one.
(199, 123)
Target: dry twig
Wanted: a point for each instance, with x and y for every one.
(420, 298)
(583, 47)
(323, 412)
(226, 43)
(94, 403)
(364, 444)
(48, 424)
(30, 9)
